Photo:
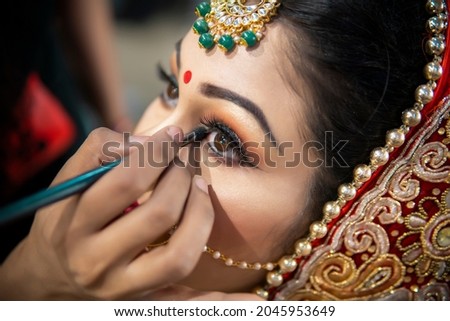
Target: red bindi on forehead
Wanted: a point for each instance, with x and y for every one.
(187, 77)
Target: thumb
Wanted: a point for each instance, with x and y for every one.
(101, 146)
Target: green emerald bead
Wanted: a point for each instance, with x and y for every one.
(226, 43)
(203, 9)
(249, 38)
(200, 26)
(206, 41)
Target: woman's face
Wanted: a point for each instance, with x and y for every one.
(258, 196)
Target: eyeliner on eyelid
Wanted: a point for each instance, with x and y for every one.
(235, 145)
(196, 135)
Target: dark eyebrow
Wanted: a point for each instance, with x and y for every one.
(212, 91)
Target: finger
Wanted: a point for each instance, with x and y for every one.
(102, 145)
(115, 191)
(151, 221)
(176, 260)
(183, 293)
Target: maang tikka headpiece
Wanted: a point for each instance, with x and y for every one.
(228, 23)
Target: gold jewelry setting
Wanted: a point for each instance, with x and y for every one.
(228, 23)
(152, 246)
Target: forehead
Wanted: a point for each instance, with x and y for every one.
(258, 74)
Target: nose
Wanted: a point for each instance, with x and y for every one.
(189, 155)
(177, 118)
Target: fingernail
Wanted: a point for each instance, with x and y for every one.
(175, 133)
(201, 184)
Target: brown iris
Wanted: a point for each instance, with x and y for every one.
(225, 144)
(221, 143)
(172, 91)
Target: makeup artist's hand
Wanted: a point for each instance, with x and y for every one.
(84, 248)
(183, 293)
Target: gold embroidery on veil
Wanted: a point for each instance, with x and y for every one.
(394, 242)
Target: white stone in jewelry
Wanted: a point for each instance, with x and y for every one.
(362, 173)
(443, 238)
(229, 23)
(435, 25)
(318, 230)
(347, 191)
(274, 279)
(435, 46)
(395, 138)
(435, 6)
(331, 210)
(433, 71)
(269, 266)
(262, 293)
(379, 156)
(287, 264)
(424, 94)
(217, 255)
(303, 248)
(411, 117)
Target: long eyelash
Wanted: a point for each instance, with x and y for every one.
(171, 81)
(166, 77)
(213, 123)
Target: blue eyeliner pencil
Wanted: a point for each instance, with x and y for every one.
(78, 184)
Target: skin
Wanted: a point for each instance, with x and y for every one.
(87, 249)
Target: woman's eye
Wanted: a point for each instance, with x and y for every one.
(220, 142)
(224, 146)
(170, 95)
(171, 92)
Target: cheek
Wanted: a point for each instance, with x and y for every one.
(253, 213)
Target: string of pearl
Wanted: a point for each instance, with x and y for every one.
(269, 266)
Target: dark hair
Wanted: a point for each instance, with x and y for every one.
(361, 62)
